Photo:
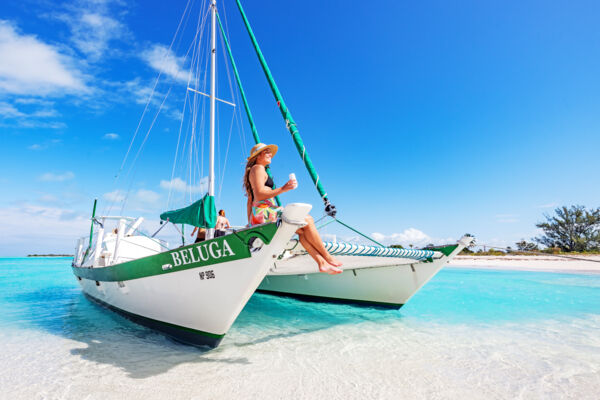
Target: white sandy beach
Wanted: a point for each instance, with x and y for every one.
(580, 264)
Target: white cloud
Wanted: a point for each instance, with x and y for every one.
(30, 66)
(138, 90)
(178, 185)
(35, 146)
(93, 26)
(30, 229)
(110, 136)
(9, 111)
(177, 115)
(51, 177)
(114, 196)
(162, 59)
(147, 196)
(410, 236)
(138, 201)
(29, 114)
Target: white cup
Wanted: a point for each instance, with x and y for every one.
(293, 178)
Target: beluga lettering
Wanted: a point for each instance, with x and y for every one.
(202, 252)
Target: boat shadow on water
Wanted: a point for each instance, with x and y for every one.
(108, 338)
(101, 336)
(267, 317)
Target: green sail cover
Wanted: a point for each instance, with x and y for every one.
(202, 214)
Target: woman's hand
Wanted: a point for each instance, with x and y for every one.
(289, 185)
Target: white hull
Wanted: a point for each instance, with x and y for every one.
(192, 309)
(376, 281)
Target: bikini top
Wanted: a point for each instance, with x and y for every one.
(270, 182)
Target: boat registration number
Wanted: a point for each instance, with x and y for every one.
(210, 274)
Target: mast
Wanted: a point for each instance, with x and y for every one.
(213, 72)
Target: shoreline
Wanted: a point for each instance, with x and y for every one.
(50, 256)
(537, 263)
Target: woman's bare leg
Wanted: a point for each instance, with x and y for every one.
(323, 265)
(313, 237)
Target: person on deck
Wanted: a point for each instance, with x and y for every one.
(201, 234)
(222, 224)
(261, 205)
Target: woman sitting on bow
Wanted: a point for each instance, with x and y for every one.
(261, 206)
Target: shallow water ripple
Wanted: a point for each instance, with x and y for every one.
(467, 334)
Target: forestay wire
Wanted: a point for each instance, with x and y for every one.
(334, 219)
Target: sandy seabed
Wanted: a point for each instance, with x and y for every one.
(362, 361)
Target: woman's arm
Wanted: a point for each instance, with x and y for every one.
(194, 231)
(249, 209)
(258, 177)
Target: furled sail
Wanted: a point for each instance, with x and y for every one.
(287, 116)
(202, 214)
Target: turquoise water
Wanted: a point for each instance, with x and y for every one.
(537, 329)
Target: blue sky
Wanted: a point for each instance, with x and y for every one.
(424, 120)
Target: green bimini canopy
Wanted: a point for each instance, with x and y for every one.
(202, 214)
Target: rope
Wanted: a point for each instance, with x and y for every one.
(320, 219)
(159, 229)
(181, 233)
(140, 245)
(184, 15)
(154, 87)
(325, 224)
(157, 241)
(360, 233)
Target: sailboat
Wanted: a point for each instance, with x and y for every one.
(195, 292)
(373, 275)
(192, 293)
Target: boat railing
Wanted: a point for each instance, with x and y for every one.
(90, 251)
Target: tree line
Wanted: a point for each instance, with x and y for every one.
(569, 229)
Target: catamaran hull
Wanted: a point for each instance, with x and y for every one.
(181, 304)
(180, 334)
(365, 281)
(389, 287)
(194, 301)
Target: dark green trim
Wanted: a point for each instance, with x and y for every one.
(323, 299)
(153, 265)
(87, 251)
(182, 334)
(446, 250)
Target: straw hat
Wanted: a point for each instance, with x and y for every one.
(261, 147)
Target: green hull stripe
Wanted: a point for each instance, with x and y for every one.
(313, 298)
(202, 254)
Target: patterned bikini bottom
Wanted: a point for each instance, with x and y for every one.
(264, 211)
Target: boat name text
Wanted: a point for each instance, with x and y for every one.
(202, 252)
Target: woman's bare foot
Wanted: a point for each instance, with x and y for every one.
(326, 268)
(330, 269)
(332, 261)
